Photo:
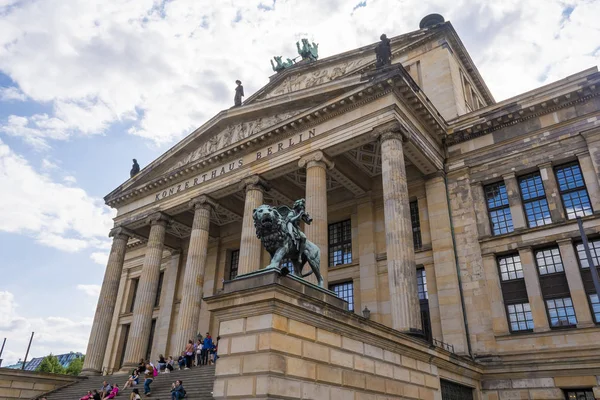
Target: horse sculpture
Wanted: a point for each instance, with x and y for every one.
(271, 229)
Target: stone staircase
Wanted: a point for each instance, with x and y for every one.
(198, 383)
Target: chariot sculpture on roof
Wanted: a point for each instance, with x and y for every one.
(308, 51)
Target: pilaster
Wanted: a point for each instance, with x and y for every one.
(514, 201)
(494, 292)
(557, 211)
(369, 280)
(479, 204)
(590, 178)
(534, 292)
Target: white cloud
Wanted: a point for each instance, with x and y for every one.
(56, 215)
(90, 290)
(70, 179)
(167, 67)
(56, 335)
(11, 93)
(99, 258)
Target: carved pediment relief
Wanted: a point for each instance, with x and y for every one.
(231, 135)
(303, 80)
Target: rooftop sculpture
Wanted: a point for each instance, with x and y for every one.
(278, 230)
(308, 51)
(281, 65)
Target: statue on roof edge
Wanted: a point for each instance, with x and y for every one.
(308, 51)
(281, 65)
(383, 52)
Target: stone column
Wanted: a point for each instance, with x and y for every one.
(534, 292)
(591, 179)
(494, 293)
(106, 304)
(316, 165)
(557, 211)
(479, 204)
(578, 294)
(444, 260)
(193, 279)
(402, 275)
(250, 246)
(369, 280)
(163, 325)
(139, 332)
(514, 200)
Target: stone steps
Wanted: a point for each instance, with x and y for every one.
(198, 383)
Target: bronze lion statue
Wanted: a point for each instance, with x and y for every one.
(276, 227)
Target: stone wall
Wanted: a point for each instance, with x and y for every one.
(18, 384)
(550, 388)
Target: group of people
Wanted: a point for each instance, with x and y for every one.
(205, 351)
(106, 391)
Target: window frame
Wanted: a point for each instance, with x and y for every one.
(528, 330)
(423, 274)
(415, 222)
(546, 248)
(568, 191)
(559, 327)
(533, 199)
(496, 208)
(234, 254)
(344, 245)
(500, 270)
(333, 285)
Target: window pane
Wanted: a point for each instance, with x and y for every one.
(569, 177)
(519, 319)
(595, 307)
(510, 267)
(416, 224)
(549, 261)
(340, 243)
(561, 312)
(233, 266)
(577, 204)
(532, 186)
(501, 221)
(572, 188)
(422, 284)
(496, 195)
(594, 249)
(344, 291)
(538, 213)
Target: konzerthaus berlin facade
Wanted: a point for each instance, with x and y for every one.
(435, 207)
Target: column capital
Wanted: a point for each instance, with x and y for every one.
(545, 165)
(566, 241)
(158, 218)
(583, 153)
(315, 159)
(390, 130)
(254, 182)
(202, 201)
(119, 232)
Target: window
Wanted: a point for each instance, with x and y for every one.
(520, 317)
(595, 307)
(416, 224)
(233, 264)
(340, 243)
(534, 200)
(161, 277)
(561, 312)
(510, 267)
(422, 284)
(549, 261)
(582, 394)
(498, 208)
(455, 391)
(594, 250)
(133, 290)
(572, 190)
(344, 291)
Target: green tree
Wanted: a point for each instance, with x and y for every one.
(75, 366)
(51, 365)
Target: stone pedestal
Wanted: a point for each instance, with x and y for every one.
(106, 304)
(282, 338)
(193, 279)
(316, 165)
(250, 246)
(139, 333)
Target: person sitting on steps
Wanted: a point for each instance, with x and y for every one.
(177, 390)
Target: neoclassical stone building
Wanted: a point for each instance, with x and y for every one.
(435, 207)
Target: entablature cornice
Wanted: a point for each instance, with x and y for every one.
(376, 85)
(504, 114)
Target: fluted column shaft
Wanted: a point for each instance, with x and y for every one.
(316, 165)
(398, 236)
(105, 309)
(193, 279)
(250, 246)
(141, 324)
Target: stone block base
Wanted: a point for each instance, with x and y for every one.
(282, 338)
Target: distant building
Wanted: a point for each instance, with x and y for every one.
(63, 359)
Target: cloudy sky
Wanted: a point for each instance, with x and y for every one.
(87, 85)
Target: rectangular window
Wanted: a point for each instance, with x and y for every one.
(133, 289)
(520, 317)
(572, 190)
(594, 250)
(549, 261)
(340, 243)
(595, 307)
(510, 267)
(583, 394)
(534, 200)
(498, 208)
(233, 264)
(416, 224)
(561, 312)
(161, 277)
(344, 291)
(422, 284)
